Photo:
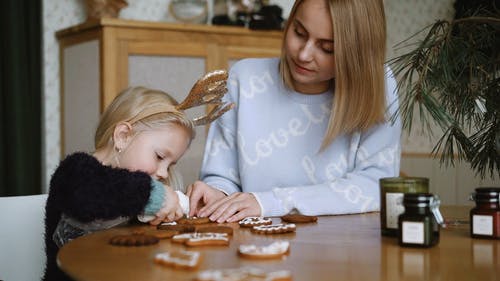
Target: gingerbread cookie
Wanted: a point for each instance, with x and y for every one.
(179, 259)
(193, 220)
(255, 221)
(202, 239)
(215, 229)
(271, 251)
(274, 228)
(133, 240)
(180, 228)
(242, 274)
(160, 234)
(298, 218)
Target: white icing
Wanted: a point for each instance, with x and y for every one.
(240, 274)
(254, 220)
(196, 237)
(278, 247)
(271, 227)
(169, 223)
(185, 258)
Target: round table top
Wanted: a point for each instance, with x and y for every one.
(347, 247)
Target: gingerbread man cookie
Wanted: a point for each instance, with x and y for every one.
(275, 228)
(202, 239)
(271, 251)
(179, 259)
(242, 274)
(255, 221)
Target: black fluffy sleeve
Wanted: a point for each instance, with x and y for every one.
(84, 189)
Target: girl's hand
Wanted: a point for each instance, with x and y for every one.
(232, 208)
(200, 194)
(171, 209)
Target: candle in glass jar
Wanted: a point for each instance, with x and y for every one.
(392, 191)
(485, 217)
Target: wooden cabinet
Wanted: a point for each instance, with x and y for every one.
(100, 58)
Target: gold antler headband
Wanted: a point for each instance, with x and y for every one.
(208, 90)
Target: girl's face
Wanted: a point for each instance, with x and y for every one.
(154, 151)
(309, 47)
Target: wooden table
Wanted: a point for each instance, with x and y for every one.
(346, 247)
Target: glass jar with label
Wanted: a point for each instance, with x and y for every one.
(391, 199)
(485, 217)
(419, 225)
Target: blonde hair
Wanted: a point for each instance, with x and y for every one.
(134, 105)
(359, 32)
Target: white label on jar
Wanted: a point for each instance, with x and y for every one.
(413, 232)
(393, 208)
(482, 225)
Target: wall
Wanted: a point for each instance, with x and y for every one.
(60, 14)
(404, 18)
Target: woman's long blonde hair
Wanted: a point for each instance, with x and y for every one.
(132, 105)
(359, 32)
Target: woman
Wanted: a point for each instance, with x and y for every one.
(310, 133)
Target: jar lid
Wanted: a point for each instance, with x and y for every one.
(424, 200)
(405, 180)
(486, 194)
(417, 199)
(488, 190)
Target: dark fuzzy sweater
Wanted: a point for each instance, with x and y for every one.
(84, 189)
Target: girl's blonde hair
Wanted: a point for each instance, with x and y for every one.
(359, 33)
(134, 105)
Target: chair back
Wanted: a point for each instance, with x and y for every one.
(22, 249)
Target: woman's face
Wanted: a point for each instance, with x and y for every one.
(154, 151)
(309, 47)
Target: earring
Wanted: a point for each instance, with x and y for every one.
(118, 151)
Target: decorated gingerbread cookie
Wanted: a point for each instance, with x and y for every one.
(178, 259)
(242, 274)
(133, 240)
(298, 218)
(275, 228)
(180, 228)
(202, 239)
(193, 220)
(255, 221)
(272, 251)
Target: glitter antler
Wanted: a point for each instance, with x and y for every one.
(208, 90)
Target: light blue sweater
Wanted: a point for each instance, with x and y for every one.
(269, 146)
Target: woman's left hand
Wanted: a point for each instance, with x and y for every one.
(232, 208)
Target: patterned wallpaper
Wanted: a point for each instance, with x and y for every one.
(404, 18)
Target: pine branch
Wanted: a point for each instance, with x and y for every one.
(451, 78)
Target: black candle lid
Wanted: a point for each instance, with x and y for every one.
(417, 199)
(487, 194)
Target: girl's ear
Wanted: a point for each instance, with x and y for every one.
(122, 135)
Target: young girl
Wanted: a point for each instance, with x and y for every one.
(311, 130)
(140, 137)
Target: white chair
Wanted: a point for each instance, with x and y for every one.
(22, 248)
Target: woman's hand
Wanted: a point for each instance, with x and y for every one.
(232, 208)
(200, 194)
(171, 209)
